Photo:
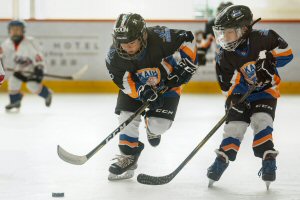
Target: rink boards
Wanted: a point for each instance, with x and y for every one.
(70, 44)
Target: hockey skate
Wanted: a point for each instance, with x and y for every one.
(125, 166)
(153, 139)
(13, 106)
(125, 175)
(268, 170)
(215, 171)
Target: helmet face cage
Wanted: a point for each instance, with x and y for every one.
(235, 18)
(129, 27)
(224, 42)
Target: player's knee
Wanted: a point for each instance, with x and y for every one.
(14, 84)
(235, 129)
(260, 121)
(34, 87)
(132, 129)
(158, 125)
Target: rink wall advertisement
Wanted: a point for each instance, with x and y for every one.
(69, 45)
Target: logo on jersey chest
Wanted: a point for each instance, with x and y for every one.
(150, 76)
(22, 61)
(248, 71)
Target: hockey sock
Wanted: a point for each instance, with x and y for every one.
(15, 97)
(44, 92)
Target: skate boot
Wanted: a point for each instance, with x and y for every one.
(268, 170)
(15, 102)
(153, 139)
(11, 106)
(125, 166)
(215, 171)
(48, 99)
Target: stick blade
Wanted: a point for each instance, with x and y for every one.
(78, 74)
(154, 180)
(70, 158)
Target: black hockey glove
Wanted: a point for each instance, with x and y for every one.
(181, 74)
(265, 69)
(147, 93)
(38, 74)
(20, 76)
(238, 109)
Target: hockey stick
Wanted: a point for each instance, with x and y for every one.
(160, 180)
(79, 160)
(75, 76)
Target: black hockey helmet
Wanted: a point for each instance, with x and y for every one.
(16, 38)
(235, 18)
(129, 27)
(16, 23)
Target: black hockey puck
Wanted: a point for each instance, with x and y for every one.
(55, 194)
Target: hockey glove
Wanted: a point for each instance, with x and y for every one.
(181, 74)
(147, 93)
(265, 69)
(20, 76)
(38, 74)
(238, 109)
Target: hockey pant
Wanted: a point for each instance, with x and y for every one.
(14, 87)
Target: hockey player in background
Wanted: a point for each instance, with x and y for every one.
(208, 35)
(141, 61)
(22, 53)
(247, 57)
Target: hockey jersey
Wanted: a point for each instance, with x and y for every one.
(165, 49)
(24, 56)
(236, 69)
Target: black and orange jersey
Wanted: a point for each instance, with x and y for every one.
(236, 69)
(165, 49)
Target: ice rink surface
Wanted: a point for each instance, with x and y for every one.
(31, 170)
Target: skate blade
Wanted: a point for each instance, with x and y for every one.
(126, 175)
(268, 183)
(210, 182)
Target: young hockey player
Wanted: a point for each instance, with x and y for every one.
(247, 57)
(141, 61)
(208, 35)
(23, 54)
